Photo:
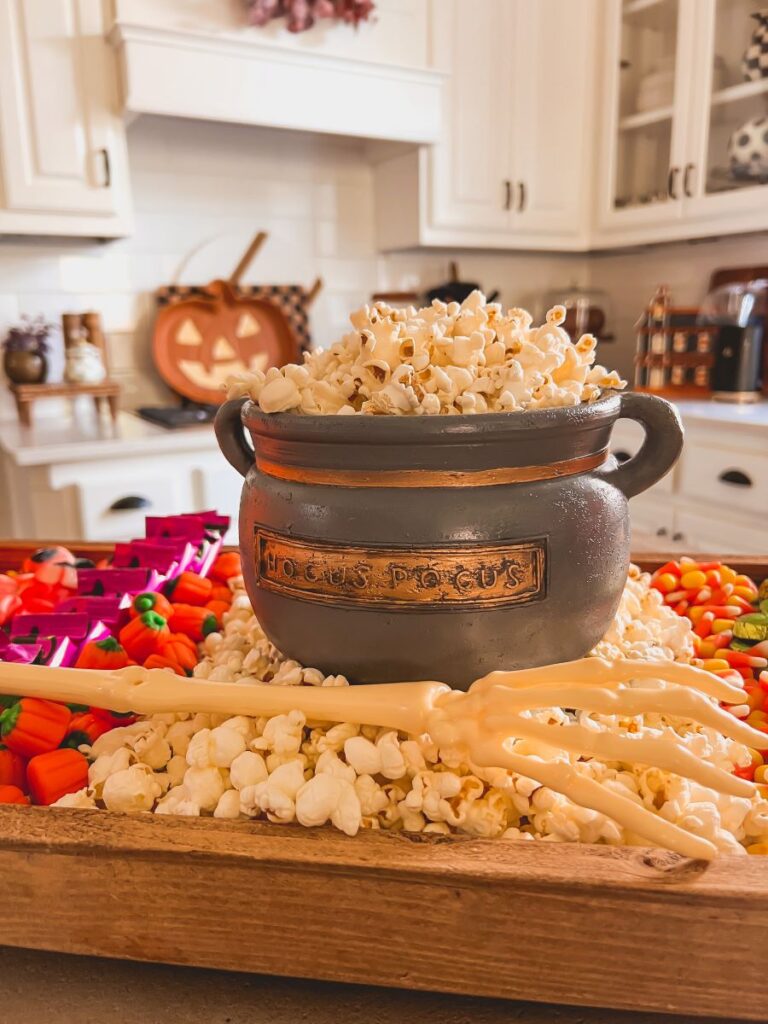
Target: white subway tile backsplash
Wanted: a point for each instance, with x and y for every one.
(202, 190)
(9, 312)
(107, 272)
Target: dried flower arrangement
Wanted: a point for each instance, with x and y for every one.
(24, 350)
(302, 14)
(28, 336)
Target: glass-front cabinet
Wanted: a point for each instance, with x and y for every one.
(650, 89)
(729, 146)
(685, 141)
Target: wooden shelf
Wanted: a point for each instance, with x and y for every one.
(25, 394)
(742, 91)
(645, 119)
(658, 15)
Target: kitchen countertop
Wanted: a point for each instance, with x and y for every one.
(750, 414)
(89, 437)
(50, 441)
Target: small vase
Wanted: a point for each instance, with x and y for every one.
(754, 63)
(25, 367)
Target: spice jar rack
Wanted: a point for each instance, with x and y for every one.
(674, 354)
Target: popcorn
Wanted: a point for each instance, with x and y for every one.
(392, 760)
(82, 800)
(317, 799)
(178, 801)
(176, 769)
(247, 769)
(108, 764)
(205, 786)
(228, 805)
(362, 755)
(131, 790)
(443, 359)
(218, 747)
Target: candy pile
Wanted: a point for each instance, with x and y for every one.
(729, 616)
(288, 769)
(443, 359)
(153, 605)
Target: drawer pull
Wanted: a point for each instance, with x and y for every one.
(622, 456)
(661, 532)
(677, 536)
(130, 502)
(735, 477)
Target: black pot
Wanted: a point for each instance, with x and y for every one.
(398, 548)
(23, 366)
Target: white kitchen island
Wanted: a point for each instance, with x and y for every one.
(89, 479)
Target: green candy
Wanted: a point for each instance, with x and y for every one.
(741, 645)
(751, 627)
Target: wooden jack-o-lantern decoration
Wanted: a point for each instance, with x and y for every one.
(203, 338)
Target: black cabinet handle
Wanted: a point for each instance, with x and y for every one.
(677, 535)
(507, 194)
(129, 502)
(672, 182)
(622, 456)
(736, 478)
(662, 531)
(689, 169)
(107, 168)
(521, 203)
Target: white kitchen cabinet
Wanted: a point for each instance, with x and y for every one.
(713, 534)
(553, 99)
(674, 95)
(62, 143)
(469, 169)
(510, 169)
(714, 499)
(88, 480)
(202, 59)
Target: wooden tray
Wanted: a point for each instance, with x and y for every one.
(586, 925)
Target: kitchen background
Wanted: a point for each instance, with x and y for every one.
(605, 208)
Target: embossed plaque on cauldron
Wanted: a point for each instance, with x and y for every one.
(472, 576)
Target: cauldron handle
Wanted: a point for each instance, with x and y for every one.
(231, 437)
(660, 448)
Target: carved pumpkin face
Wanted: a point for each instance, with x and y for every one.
(201, 341)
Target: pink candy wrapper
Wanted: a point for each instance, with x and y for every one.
(191, 525)
(50, 625)
(106, 609)
(24, 653)
(100, 582)
(167, 555)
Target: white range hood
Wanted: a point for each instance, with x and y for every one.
(184, 68)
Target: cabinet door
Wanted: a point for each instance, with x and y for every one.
(468, 170)
(552, 120)
(60, 139)
(726, 173)
(648, 47)
(698, 534)
(651, 519)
